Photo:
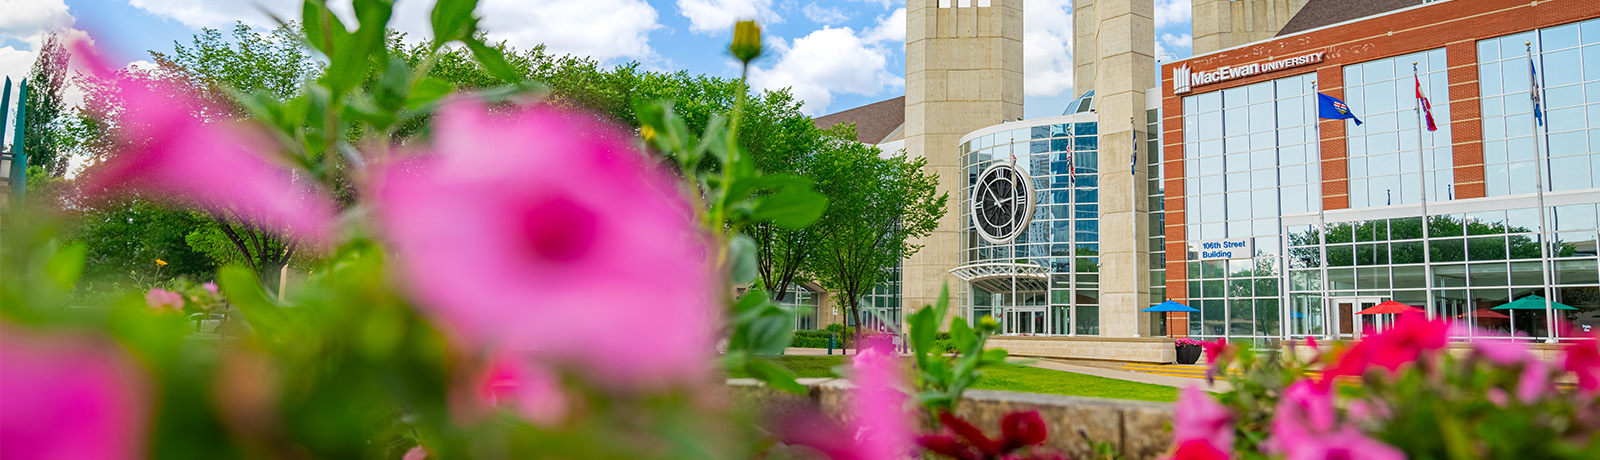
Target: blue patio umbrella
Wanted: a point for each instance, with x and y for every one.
(1172, 306)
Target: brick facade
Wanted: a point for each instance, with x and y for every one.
(1455, 25)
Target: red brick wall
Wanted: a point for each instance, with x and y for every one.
(1456, 25)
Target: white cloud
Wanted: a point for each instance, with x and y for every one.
(1046, 47)
(27, 18)
(602, 29)
(822, 15)
(889, 28)
(1170, 12)
(827, 62)
(1184, 40)
(884, 3)
(718, 16)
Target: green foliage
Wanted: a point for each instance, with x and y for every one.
(940, 378)
(125, 239)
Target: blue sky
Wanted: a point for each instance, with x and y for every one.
(835, 54)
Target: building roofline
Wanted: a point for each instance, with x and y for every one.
(1307, 31)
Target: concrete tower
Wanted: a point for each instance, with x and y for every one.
(963, 72)
(1222, 24)
(1114, 52)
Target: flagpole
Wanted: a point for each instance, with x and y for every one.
(1534, 98)
(1133, 212)
(1422, 168)
(1322, 221)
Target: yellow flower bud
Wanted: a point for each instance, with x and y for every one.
(988, 323)
(647, 133)
(161, 262)
(746, 41)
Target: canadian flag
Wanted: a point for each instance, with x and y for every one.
(1427, 109)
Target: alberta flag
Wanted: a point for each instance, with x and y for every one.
(1422, 101)
(1331, 108)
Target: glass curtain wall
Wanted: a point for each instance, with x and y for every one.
(1568, 60)
(1382, 152)
(1252, 157)
(804, 303)
(1062, 160)
(1155, 191)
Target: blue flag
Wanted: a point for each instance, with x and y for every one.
(1533, 72)
(1331, 108)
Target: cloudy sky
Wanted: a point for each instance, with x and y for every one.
(835, 54)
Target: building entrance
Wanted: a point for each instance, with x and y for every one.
(1344, 321)
(1026, 321)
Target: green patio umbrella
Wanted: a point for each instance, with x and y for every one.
(1533, 302)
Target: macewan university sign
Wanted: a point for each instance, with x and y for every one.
(1183, 79)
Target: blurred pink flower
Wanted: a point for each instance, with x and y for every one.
(68, 399)
(210, 287)
(1214, 351)
(1197, 416)
(1502, 352)
(1534, 382)
(1305, 427)
(416, 453)
(532, 391)
(1411, 337)
(1582, 358)
(883, 426)
(171, 154)
(535, 229)
(160, 299)
(1198, 449)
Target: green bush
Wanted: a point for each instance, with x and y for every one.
(819, 338)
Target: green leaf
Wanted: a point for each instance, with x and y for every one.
(453, 20)
(744, 187)
(324, 31)
(66, 265)
(426, 92)
(494, 61)
(742, 266)
(791, 208)
(775, 376)
(350, 58)
(243, 290)
(963, 336)
(923, 331)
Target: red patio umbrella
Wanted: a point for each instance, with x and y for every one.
(1485, 313)
(1390, 307)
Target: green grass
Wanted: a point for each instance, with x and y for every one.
(1014, 377)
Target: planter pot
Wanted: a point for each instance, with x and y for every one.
(1188, 354)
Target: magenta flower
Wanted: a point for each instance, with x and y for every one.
(545, 231)
(1199, 417)
(1214, 352)
(884, 428)
(1412, 336)
(219, 166)
(1198, 449)
(1502, 352)
(210, 287)
(1582, 358)
(1305, 427)
(416, 453)
(533, 392)
(68, 399)
(162, 299)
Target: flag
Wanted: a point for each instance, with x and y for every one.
(1422, 101)
(1133, 155)
(1533, 73)
(1331, 108)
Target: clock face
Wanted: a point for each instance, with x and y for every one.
(1002, 203)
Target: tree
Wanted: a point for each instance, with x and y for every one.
(46, 85)
(877, 206)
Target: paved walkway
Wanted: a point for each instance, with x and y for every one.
(1099, 369)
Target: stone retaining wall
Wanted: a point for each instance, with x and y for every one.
(1139, 430)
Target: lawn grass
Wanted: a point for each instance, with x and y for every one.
(1015, 377)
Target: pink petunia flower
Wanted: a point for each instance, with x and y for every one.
(540, 230)
(1198, 449)
(210, 287)
(1215, 351)
(1503, 352)
(162, 299)
(884, 428)
(1582, 358)
(220, 166)
(416, 453)
(1412, 336)
(1199, 417)
(1305, 427)
(69, 399)
(533, 392)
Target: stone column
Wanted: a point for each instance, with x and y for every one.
(1085, 49)
(1221, 24)
(1123, 71)
(963, 72)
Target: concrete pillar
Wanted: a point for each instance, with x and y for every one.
(1125, 53)
(1084, 46)
(963, 72)
(1221, 24)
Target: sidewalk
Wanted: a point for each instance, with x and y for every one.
(1045, 363)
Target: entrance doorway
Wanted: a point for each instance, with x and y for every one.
(1025, 320)
(1343, 320)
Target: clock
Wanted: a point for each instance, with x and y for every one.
(1002, 202)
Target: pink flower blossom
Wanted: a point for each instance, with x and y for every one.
(210, 287)
(1199, 417)
(1198, 449)
(1412, 336)
(416, 453)
(532, 391)
(162, 299)
(544, 231)
(1214, 351)
(884, 427)
(68, 399)
(1582, 358)
(1305, 427)
(1534, 381)
(219, 166)
(1502, 352)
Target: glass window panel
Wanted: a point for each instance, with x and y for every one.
(1372, 278)
(1372, 254)
(1491, 274)
(1214, 312)
(1577, 271)
(1305, 280)
(1341, 256)
(1238, 288)
(1410, 277)
(1574, 244)
(1406, 252)
(1576, 217)
(1449, 276)
(1523, 247)
(1241, 317)
(1341, 279)
(1527, 274)
(1486, 248)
